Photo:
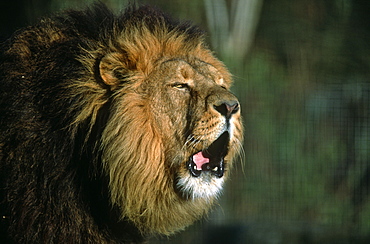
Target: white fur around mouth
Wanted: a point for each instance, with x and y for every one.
(205, 186)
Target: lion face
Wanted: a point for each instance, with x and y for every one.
(145, 113)
(201, 118)
(173, 128)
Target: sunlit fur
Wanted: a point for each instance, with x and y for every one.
(133, 144)
(146, 139)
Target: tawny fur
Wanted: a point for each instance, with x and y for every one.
(86, 97)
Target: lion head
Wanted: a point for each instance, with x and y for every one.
(174, 127)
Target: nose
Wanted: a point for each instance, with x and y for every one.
(227, 108)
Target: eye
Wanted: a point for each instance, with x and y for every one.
(181, 86)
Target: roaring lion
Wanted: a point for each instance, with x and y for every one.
(112, 128)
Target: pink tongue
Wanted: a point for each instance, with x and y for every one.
(199, 160)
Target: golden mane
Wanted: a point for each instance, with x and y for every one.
(132, 146)
(112, 121)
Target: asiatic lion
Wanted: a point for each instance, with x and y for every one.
(112, 127)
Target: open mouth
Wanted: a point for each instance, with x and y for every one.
(210, 159)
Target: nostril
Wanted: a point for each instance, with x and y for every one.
(234, 108)
(227, 108)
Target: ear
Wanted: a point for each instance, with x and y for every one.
(112, 70)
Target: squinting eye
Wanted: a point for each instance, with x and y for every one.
(181, 86)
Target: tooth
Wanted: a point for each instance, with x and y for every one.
(215, 169)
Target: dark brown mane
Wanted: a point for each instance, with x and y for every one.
(82, 156)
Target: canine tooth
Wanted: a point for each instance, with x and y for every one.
(215, 169)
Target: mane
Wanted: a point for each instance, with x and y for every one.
(132, 146)
(75, 112)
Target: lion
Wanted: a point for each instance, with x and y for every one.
(112, 128)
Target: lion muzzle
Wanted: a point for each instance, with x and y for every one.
(211, 159)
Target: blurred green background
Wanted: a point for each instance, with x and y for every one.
(302, 73)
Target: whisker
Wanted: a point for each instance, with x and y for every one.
(240, 152)
(191, 141)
